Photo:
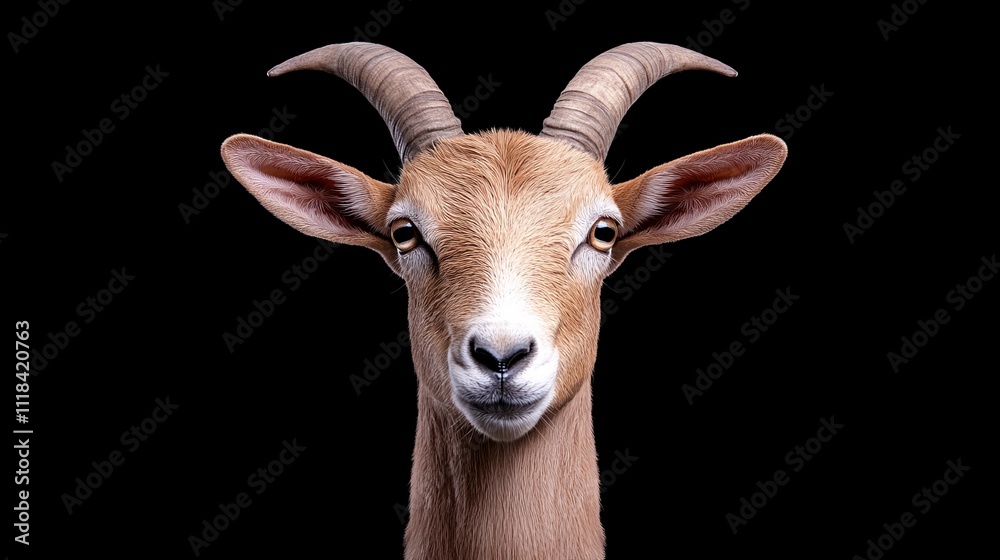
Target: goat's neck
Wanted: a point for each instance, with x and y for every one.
(536, 497)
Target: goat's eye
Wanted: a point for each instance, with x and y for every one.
(603, 234)
(404, 234)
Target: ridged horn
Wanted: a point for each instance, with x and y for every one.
(411, 104)
(589, 110)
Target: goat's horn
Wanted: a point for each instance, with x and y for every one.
(412, 105)
(589, 110)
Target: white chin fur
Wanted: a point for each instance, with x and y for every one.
(504, 427)
(535, 385)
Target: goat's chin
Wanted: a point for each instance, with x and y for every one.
(508, 411)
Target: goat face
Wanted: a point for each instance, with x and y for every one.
(503, 238)
(496, 239)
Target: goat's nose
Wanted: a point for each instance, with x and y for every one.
(501, 360)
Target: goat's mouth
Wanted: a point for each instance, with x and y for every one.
(502, 417)
(503, 407)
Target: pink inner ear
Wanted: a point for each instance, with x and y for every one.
(694, 194)
(307, 191)
(690, 194)
(302, 189)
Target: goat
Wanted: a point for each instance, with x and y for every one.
(503, 239)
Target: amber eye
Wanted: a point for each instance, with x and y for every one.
(404, 234)
(603, 234)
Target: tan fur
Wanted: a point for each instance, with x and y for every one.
(501, 199)
(536, 497)
(504, 205)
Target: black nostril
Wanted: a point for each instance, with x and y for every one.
(517, 355)
(487, 356)
(484, 357)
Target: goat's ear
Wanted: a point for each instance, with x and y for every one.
(694, 194)
(313, 194)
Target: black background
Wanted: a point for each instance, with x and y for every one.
(824, 357)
